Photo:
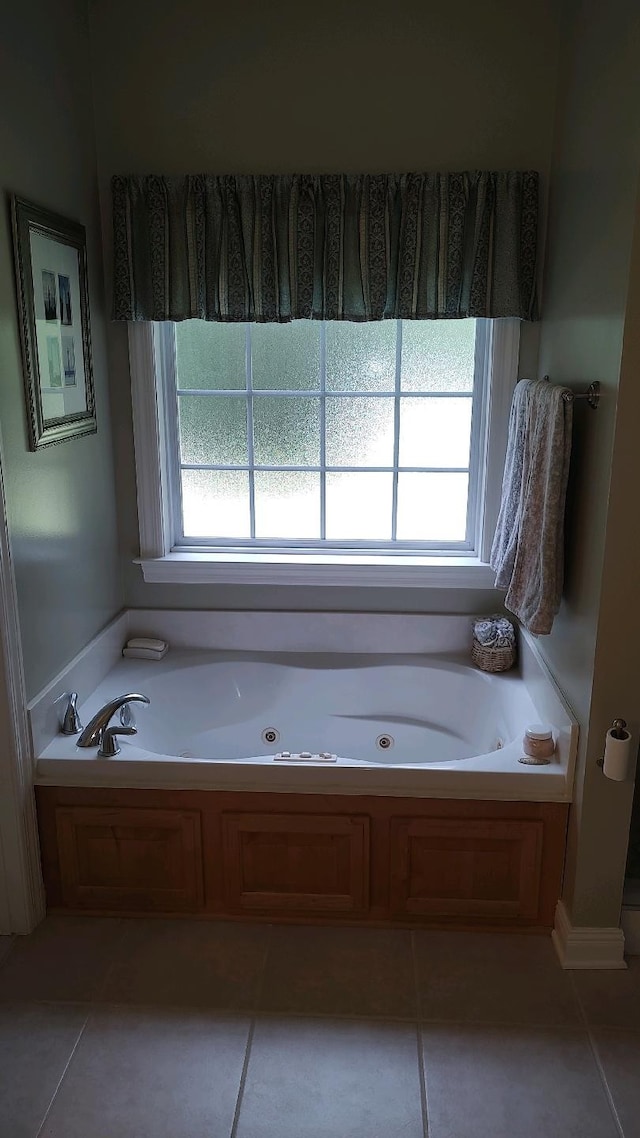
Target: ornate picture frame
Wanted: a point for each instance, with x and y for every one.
(53, 306)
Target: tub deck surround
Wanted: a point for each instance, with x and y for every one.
(313, 858)
(249, 632)
(209, 711)
(194, 816)
(456, 731)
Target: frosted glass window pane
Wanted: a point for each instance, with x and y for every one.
(286, 431)
(361, 357)
(213, 429)
(432, 507)
(435, 432)
(359, 432)
(287, 504)
(210, 355)
(359, 506)
(215, 503)
(286, 356)
(437, 355)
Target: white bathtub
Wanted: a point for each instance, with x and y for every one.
(454, 731)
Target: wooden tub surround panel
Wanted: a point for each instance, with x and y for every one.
(452, 867)
(298, 863)
(130, 859)
(303, 857)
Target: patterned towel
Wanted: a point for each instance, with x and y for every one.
(528, 547)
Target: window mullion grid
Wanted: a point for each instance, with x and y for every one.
(479, 410)
(396, 432)
(252, 488)
(172, 430)
(323, 438)
(472, 471)
(343, 469)
(313, 394)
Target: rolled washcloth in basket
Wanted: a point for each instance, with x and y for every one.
(494, 632)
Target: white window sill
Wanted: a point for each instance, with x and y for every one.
(317, 569)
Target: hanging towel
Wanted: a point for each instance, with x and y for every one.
(528, 547)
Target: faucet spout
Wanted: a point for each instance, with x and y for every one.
(95, 729)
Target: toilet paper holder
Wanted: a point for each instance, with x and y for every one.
(619, 728)
(618, 732)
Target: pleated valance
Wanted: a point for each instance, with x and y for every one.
(325, 247)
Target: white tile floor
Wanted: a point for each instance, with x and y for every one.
(184, 1029)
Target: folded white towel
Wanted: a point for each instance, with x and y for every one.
(145, 648)
(528, 547)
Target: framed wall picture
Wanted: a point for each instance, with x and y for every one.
(53, 305)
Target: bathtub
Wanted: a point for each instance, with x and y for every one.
(373, 721)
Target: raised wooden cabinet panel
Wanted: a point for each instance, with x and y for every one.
(461, 867)
(130, 858)
(296, 863)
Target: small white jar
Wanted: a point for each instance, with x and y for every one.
(538, 742)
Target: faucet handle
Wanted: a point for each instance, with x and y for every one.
(71, 724)
(109, 745)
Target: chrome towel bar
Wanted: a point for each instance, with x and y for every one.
(592, 394)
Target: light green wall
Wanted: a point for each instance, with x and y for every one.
(364, 86)
(369, 86)
(255, 87)
(61, 503)
(590, 310)
(333, 87)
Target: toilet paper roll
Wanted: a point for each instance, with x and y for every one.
(616, 755)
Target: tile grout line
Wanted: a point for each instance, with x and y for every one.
(596, 1057)
(271, 1013)
(422, 1074)
(101, 987)
(247, 1054)
(263, 971)
(359, 1017)
(243, 1080)
(64, 1074)
(232, 1010)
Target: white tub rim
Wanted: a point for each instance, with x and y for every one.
(361, 631)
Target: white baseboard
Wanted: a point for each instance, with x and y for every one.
(582, 947)
(631, 928)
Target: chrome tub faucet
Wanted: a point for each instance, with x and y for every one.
(93, 733)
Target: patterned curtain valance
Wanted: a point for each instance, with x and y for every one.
(327, 247)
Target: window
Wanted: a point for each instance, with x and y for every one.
(338, 434)
(334, 444)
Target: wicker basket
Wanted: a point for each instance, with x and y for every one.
(493, 659)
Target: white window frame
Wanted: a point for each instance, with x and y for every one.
(152, 351)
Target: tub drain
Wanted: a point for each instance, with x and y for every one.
(384, 742)
(270, 735)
